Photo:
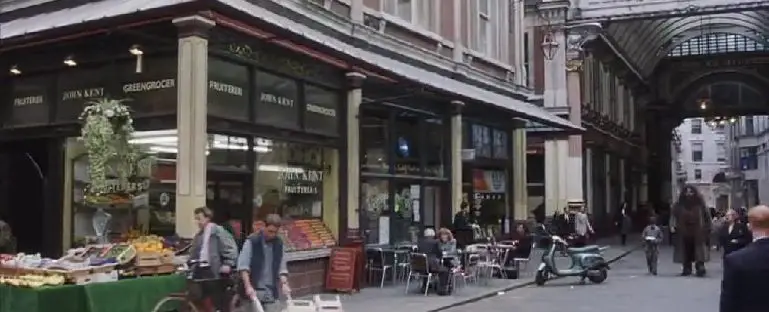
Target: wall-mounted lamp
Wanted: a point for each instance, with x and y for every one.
(70, 61)
(136, 50)
(15, 70)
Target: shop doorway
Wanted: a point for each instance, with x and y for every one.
(229, 197)
(24, 169)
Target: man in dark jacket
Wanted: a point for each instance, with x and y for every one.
(430, 246)
(463, 232)
(746, 271)
(262, 266)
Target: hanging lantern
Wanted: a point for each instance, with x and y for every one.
(549, 45)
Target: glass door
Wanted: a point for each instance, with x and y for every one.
(227, 195)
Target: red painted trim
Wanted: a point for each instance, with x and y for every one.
(236, 25)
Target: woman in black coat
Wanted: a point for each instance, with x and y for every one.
(734, 235)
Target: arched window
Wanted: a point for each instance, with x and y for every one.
(717, 43)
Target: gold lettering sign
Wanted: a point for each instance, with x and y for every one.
(276, 61)
(28, 100)
(87, 93)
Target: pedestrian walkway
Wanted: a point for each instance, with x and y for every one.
(393, 297)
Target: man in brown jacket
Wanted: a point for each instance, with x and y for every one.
(691, 222)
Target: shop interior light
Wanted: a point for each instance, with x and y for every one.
(70, 61)
(137, 51)
(703, 105)
(15, 70)
(733, 120)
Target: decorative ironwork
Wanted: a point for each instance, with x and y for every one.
(718, 43)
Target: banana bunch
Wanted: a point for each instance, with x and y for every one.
(33, 281)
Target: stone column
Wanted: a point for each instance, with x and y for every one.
(456, 155)
(192, 102)
(607, 173)
(575, 192)
(354, 99)
(356, 11)
(589, 199)
(556, 149)
(622, 186)
(518, 157)
(556, 161)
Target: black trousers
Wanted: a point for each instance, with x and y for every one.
(213, 287)
(623, 239)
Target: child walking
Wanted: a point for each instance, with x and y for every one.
(652, 236)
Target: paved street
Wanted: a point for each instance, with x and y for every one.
(629, 289)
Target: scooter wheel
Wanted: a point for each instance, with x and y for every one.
(598, 277)
(540, 278)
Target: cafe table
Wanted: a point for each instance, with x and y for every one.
(130, 295)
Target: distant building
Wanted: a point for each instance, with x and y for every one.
(748, 160)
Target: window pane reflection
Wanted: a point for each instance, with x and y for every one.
(406, 144)
(374, 138)
(435, 151)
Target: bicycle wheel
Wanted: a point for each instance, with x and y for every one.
(169, 304)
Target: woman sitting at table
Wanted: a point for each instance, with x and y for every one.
(447, 242)
(522, 240)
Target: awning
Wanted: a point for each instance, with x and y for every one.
(89, 12)
(404, 70)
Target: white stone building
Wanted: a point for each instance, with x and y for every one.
(749, 160)
(701, 157)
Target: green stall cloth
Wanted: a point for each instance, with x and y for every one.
(67, 298)
(131, 295)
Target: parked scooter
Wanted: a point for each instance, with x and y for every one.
(586, 262)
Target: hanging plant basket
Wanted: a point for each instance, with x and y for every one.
(107, 129)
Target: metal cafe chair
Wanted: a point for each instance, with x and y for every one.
(420, 268)
(377, 263)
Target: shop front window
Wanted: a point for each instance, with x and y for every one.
(407, 213)
(500, 147)
(436, 148)
(482, 141)
(277, 103)
(374, 138)
(407, 144)
(375, 210)
(130, 208)
(300, 183)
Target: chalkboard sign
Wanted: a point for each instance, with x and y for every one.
(341, 269)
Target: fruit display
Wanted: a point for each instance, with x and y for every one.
(122, 253)
(33, 280)
(149, 244)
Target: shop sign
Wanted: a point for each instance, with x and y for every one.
(301, 182)
(153, 90)
(277, 103)
(227, 90)
(320, 112)
(115, 187)
(77, 87)
(29, 102)
(489, 181)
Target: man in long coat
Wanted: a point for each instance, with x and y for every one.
(691, 221)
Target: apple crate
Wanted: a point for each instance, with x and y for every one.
(148, 259)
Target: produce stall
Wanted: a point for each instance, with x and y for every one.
(131, 276)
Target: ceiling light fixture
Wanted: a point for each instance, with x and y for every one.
(136, 50)
(15, 70)
(70, 61)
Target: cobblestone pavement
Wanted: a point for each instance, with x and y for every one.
(629, 288)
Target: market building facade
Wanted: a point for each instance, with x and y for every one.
(249, 113)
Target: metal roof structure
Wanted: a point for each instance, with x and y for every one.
(646, 42)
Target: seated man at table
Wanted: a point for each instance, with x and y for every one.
(522, 240)
(431, 246)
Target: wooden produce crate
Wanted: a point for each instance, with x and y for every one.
(148, 259)
(155, 270)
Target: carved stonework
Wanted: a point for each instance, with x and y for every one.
(574, 65)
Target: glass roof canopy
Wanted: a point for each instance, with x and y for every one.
(646, 42)
(717, 43)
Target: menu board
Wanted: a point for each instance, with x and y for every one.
(341, 269)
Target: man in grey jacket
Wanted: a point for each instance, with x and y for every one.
(216, 252)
